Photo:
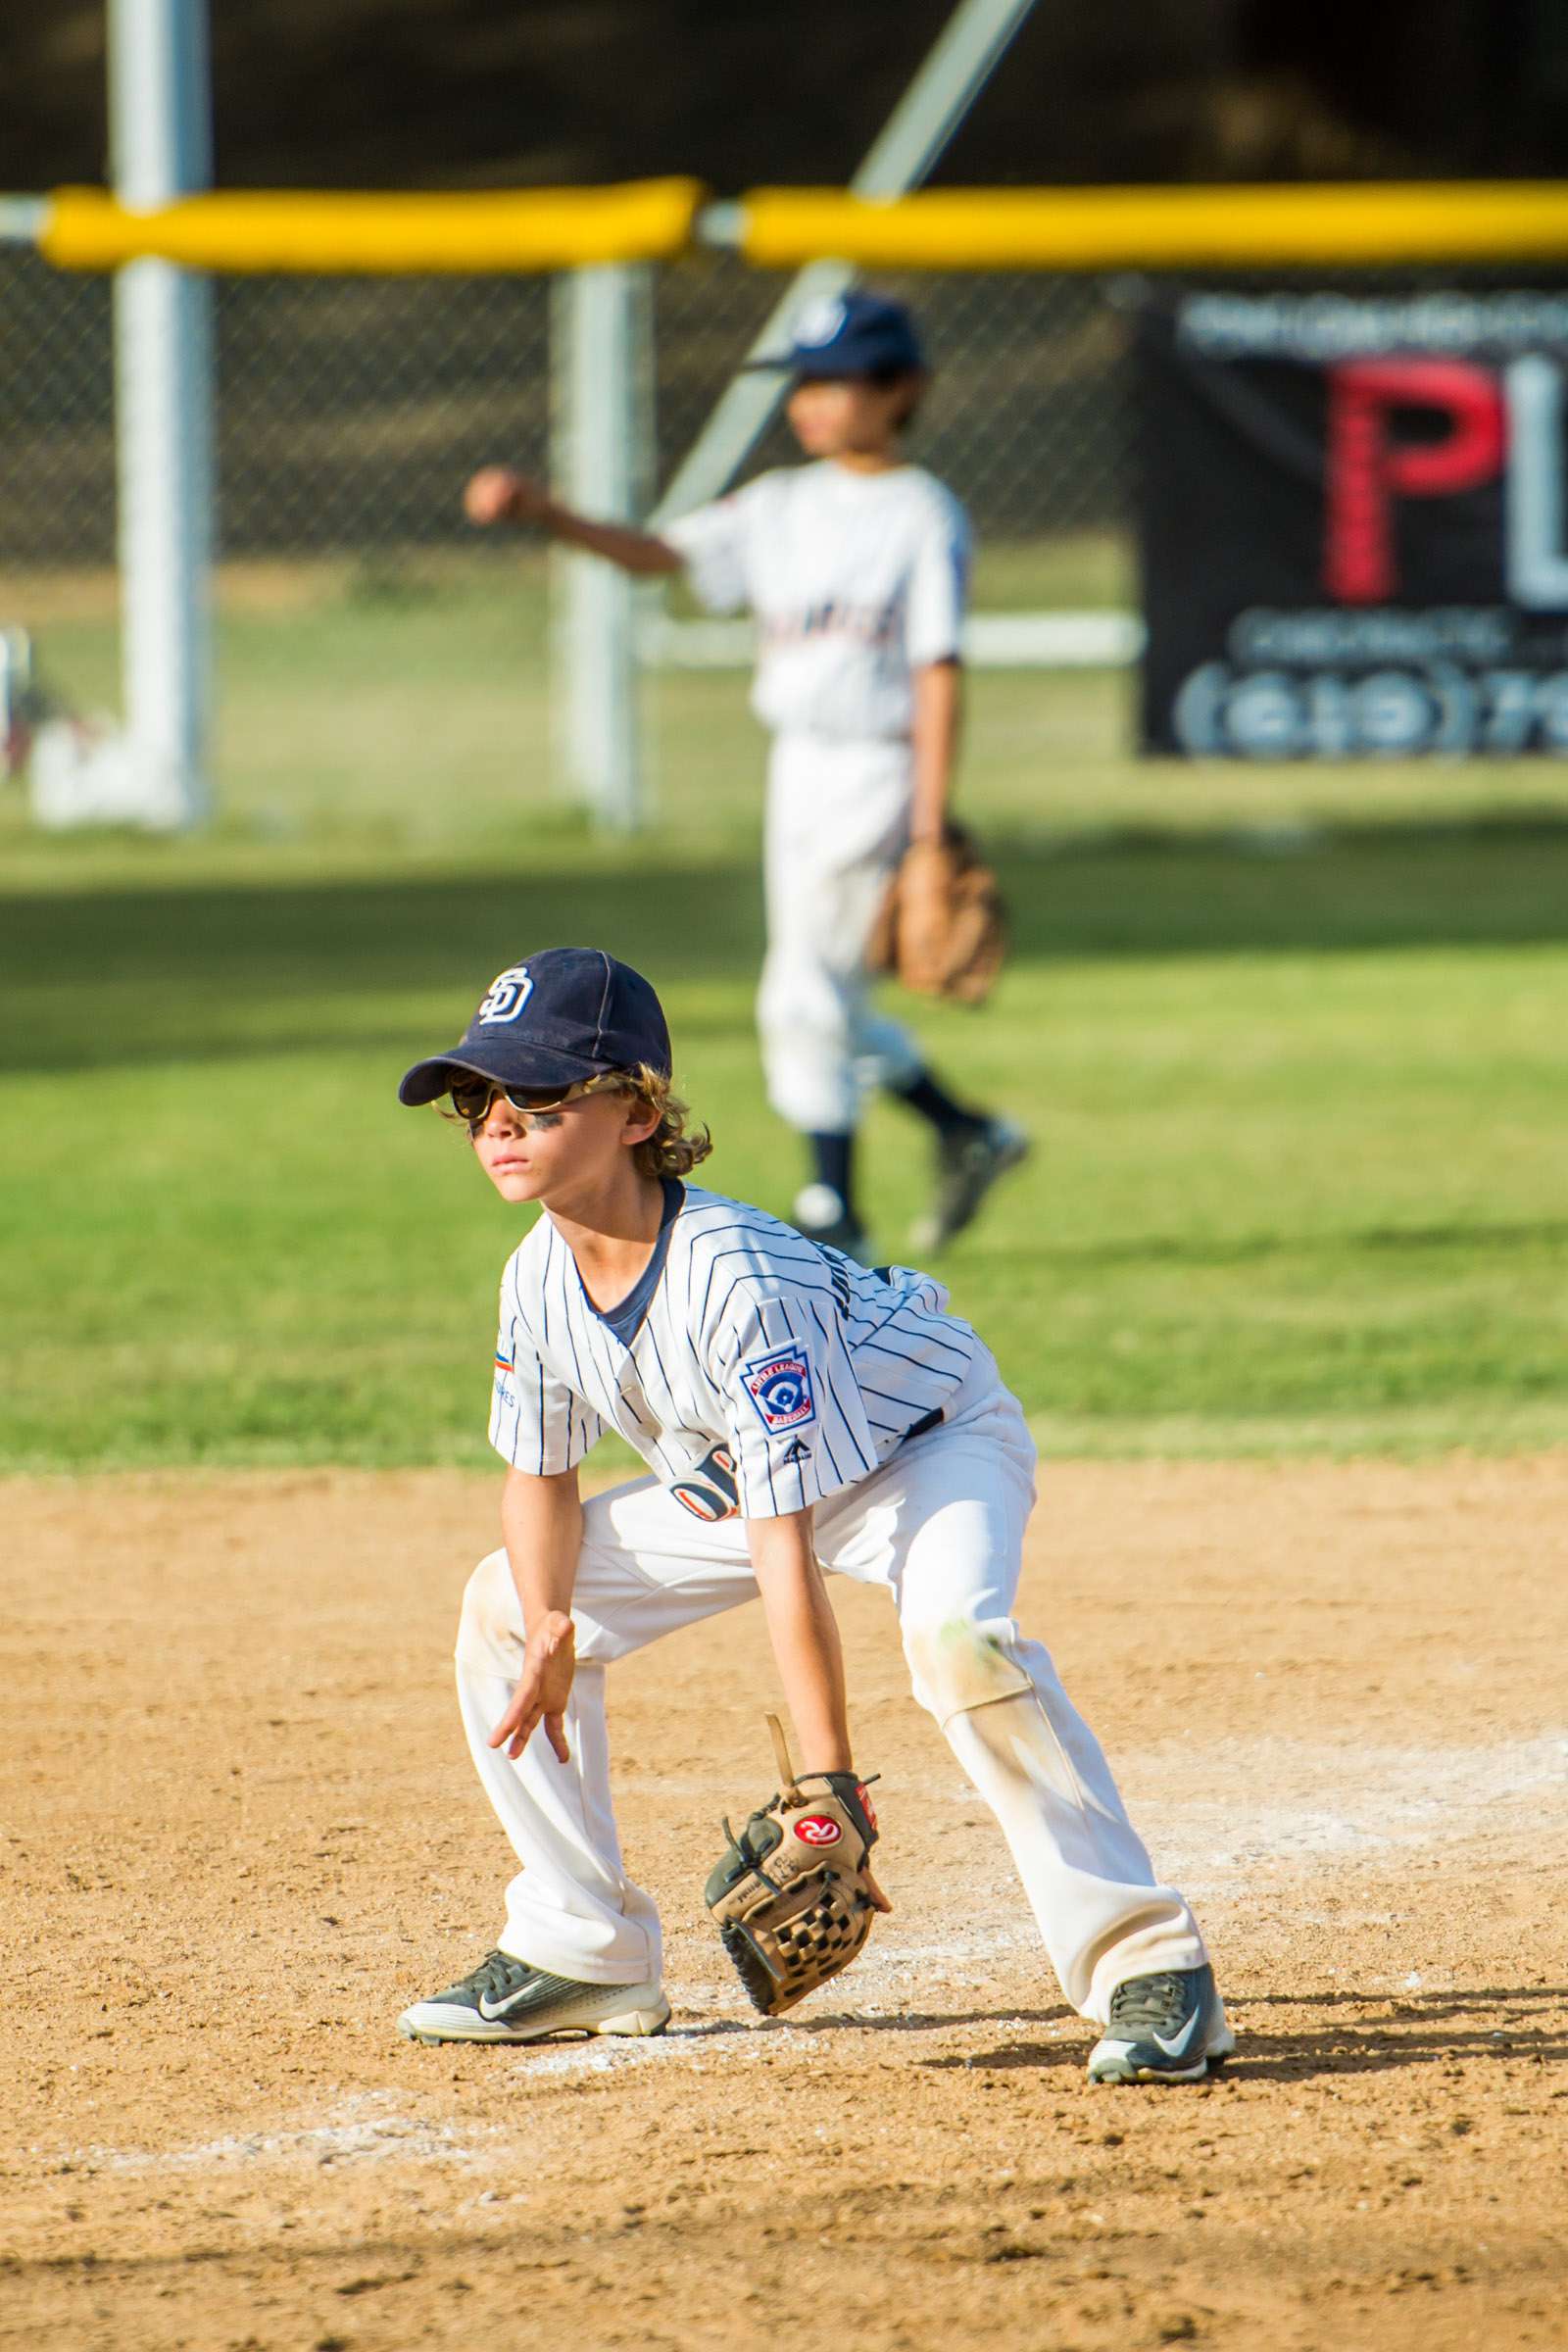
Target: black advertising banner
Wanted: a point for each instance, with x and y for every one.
(1353, 526)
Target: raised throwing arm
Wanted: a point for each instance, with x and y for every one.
(498, 494)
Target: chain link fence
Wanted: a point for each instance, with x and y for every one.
(377, 664)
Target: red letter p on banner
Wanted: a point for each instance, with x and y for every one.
(1367, 469)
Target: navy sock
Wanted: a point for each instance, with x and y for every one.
(933, 1102)
(833, 1164)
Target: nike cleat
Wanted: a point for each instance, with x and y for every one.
(1170, 2028)
(968, 1164)
(507, 2001)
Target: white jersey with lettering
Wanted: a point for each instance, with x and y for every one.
(754, 1370)
(856, 579)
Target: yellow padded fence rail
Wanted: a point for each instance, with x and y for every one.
(380, 235)
(1154, 228)
(520, 230)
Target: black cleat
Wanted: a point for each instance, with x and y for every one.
(1170, 2028)
(507, 2001)
(968, 1164)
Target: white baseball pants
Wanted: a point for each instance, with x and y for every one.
(838, 821)
(941, 1525)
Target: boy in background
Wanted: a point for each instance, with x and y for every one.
(857, 568)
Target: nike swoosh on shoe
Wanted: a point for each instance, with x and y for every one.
(491, 2010)
(1177, 2047)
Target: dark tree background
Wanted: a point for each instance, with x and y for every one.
(382, 93)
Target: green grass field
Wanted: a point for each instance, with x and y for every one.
(1289, 1041)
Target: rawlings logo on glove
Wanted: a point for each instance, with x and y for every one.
(814, 1829)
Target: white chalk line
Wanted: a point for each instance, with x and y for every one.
(365, 2128)
(1327, 1805)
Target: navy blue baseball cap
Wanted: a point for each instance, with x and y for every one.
(851, 334)
(563, 1016)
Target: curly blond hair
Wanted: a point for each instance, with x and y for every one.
(670, 1150)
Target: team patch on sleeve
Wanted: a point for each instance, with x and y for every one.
(779, 1385)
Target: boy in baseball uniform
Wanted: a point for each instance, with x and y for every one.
(857, 568)
(796, 1412)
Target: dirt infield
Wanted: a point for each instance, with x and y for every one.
(237, 1833)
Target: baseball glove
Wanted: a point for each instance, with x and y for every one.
(942, 926)
(793, 1894)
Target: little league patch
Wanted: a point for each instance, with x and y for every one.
(780, 1385)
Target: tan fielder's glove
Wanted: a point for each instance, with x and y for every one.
(942, 926)
(793, 1894)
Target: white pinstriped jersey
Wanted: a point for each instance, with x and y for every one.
(856, 579)
(767, 1373)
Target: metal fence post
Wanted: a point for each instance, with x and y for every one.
(599, 436)
(160, 109)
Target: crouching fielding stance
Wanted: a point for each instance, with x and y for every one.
(793, 1407)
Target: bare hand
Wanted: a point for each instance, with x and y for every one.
(543, 1689)
(498, 494)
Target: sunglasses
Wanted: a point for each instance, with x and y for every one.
(472, 1098)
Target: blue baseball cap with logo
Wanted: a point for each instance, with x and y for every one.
(562, 1017)
(851, 334)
